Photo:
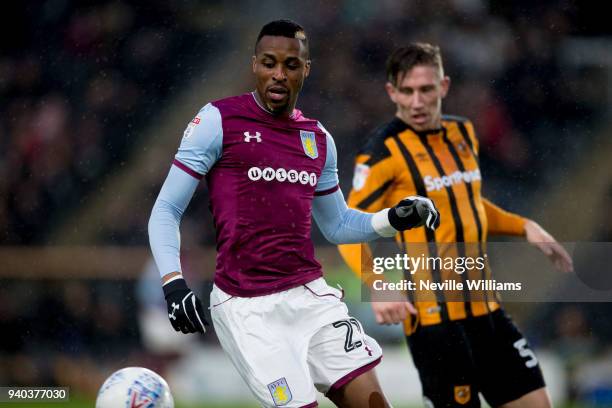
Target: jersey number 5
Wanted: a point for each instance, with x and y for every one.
(525, 351)
(349, 345)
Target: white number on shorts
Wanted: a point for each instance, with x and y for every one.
(525, 351)
(349, 345)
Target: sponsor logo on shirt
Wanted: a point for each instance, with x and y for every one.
(437, 183)
(282, 175)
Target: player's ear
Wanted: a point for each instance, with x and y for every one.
(445, 86)
(391, 91)
(254, 62)
(307, 68)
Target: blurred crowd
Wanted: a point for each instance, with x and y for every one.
(531, 110)
(60, 333)
(78, 80)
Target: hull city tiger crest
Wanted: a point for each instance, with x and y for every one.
(309, 143)
(462, 394)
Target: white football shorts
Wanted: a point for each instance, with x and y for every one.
(289, 344)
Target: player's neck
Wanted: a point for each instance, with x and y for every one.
(284, 114)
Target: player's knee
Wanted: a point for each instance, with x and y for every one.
(363, 391)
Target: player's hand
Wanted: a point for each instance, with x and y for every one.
(541, 239)
(392, 312)
(184, 308)
(413, 212)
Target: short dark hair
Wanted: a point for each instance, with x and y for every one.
(403, 59)
(284, 28)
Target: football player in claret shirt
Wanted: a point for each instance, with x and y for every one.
(461, 347)
(269, 170)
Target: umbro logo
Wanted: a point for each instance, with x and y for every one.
(248, 137)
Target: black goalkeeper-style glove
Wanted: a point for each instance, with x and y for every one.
(184, 308)
(413, 212)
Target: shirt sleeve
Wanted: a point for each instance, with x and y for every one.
(202, 143)
(340, 224)
(328, 182)
(502, 222)
(164, 234)
(373, 178)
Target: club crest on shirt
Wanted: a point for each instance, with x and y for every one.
(362, 171)
(463, 149)
(281, 394)
(309, 143)
(462, 394)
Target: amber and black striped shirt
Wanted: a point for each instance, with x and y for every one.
(443, 165)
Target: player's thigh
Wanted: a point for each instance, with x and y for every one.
(274, 369)
(442, 355)
(534, 399)
(508, 367)
(340, 352)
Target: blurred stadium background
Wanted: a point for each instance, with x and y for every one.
(95, 95)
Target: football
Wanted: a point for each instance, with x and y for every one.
(134, 387)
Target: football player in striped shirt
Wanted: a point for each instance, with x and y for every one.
(461, 346)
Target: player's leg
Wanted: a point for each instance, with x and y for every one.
(341, 357)
(252, 335)
(534, 399)
(362, 391)
(510, 374)
(442, 355)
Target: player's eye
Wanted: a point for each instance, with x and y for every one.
(268, 64)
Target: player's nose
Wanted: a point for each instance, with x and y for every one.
(279, 74)
(417, 100)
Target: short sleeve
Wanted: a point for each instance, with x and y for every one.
(328, 182)
(202, 143)
(373, 177)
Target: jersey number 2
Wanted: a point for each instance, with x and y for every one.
(349, 345)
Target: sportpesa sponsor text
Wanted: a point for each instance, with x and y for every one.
(437, 183)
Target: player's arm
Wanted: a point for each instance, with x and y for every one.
(199, 150)
(373, 179)
(507, 223)
(342, 225)
(502, 222)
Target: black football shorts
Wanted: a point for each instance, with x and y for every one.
(457, 360)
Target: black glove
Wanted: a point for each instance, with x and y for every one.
(413, 212)
(184, 308)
